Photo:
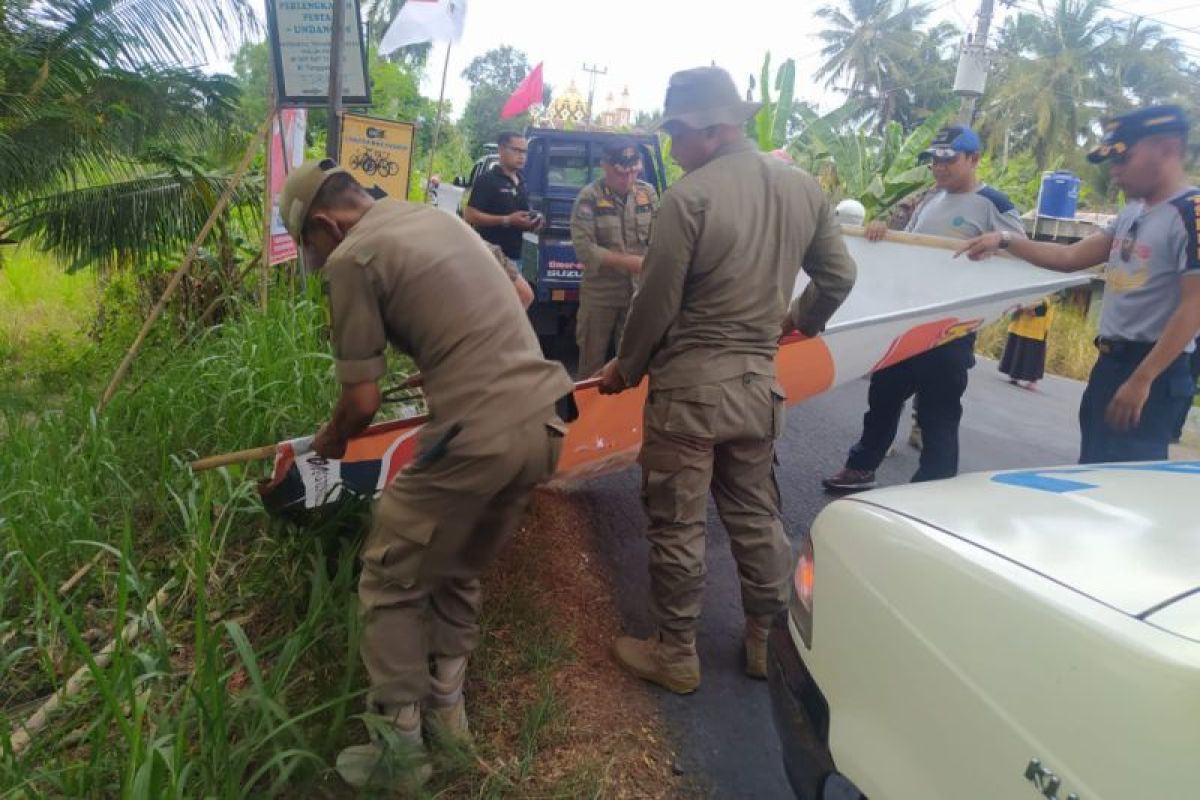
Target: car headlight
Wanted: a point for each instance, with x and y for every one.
(802, 596)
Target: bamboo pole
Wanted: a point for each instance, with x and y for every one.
(437, 123)
(182, 271)
(81, 573)
(922, 239)
(239, 457)
(275, 119)
(23, 733)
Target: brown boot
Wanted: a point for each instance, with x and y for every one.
(446, 711)
(394, 760)
(668, 660)
(756, 646)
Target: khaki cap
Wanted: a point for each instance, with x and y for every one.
(705, 96)
(299, 191)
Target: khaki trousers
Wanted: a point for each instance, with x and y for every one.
(721, 437)
(596, 329)
(435, 529)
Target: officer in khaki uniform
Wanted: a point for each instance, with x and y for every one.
(610, 228)
(730, 238)
(423, 281)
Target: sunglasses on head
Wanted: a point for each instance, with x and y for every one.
(943, 160)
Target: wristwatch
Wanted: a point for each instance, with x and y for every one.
(1005, 239)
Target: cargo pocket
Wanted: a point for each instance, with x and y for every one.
(778, 410)
(392, 559)
(692, 411)
(657, 496)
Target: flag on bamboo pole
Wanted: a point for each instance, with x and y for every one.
(425, 21)
(529, 93)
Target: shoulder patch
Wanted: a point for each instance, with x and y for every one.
(1188, 206)
(999, 199)
(585, 209)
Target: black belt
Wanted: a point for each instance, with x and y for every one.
(1123, 348)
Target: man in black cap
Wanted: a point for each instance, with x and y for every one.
(1151, 311)
(610, 228)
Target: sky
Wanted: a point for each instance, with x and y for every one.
(641, 42)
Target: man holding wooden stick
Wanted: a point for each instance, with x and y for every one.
(960, 207)
(420, 279)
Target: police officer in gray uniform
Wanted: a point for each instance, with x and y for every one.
(1151, 313)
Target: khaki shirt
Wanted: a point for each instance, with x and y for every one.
(729, 241)
(423, 281)
(603, 223)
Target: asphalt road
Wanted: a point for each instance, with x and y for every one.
(724, 735)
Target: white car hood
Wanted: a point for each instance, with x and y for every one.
(1127, 535)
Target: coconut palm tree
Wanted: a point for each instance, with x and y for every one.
(1143, 66)
(1050, 84)
(111, 144)
(867, 46)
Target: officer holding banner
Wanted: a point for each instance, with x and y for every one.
(1151, 313)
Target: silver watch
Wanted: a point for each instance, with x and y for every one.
(1005, 239)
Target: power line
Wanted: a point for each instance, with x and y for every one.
(1027, 6)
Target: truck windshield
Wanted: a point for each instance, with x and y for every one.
(567, 165)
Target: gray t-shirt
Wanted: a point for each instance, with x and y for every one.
(1152, 249)
(965, 215)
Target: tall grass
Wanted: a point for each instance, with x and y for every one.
(189, 707)
(245, 680)
(1070, 351)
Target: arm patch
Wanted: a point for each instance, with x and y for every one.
(1188, 206)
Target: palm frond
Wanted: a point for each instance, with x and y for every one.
(133, 222)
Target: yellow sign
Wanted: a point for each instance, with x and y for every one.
(378, 152)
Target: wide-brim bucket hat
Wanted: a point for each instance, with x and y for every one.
(703, 97)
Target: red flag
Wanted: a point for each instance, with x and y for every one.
(529, 93)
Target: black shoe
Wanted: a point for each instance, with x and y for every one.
(850, 480)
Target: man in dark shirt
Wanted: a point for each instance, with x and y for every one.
(499, 204)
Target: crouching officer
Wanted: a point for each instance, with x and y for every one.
(610, 228)
(1151, 311)
(729, 241)
(388, 266)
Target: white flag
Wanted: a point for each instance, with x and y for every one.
(425, 21)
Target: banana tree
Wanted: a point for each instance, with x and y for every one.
(769, 127)
(878, 170)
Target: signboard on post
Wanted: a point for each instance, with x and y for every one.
(301, 34)
(287, 153)
(378, 152)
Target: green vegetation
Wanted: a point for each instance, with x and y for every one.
(244, 679)
(1070, 351)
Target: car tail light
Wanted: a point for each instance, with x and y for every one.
(802, 597)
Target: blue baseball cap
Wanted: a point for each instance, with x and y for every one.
(1125, 130)
(950, 141)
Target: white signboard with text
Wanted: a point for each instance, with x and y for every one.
(301, 34)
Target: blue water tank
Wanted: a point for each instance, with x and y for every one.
(1059, 195)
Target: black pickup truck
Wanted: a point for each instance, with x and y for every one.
(560, 163)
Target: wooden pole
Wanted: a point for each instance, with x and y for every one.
(181, 272)
(437, 122)
(24, 732)
(338, 38)
(923, 239)
(240, 457)
(264, 278)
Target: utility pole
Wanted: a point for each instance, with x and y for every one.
(972, 65)
(594, 70)
(337, 39)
